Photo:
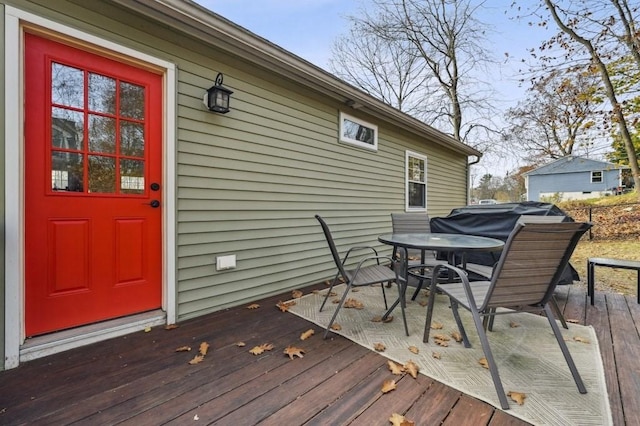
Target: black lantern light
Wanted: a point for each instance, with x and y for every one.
(217, 97)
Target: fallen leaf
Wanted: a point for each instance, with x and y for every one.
(336, 327)
(572, 321)
(296, 294)
(327, 283)
(292, 351)
(315, 291)
(518, 397)
(241, 344)
(441, 339)
(423, 303)
(513, 324)
(253, 306)
(435, 325)
(355, 290)
(380, 347)
(197, 359)
(148, 329)
(581, 339)
(171, 326)
(414, 350)
(456, 336)
(284, 306)
(388, 319)
(376, 319)
(183, 349)
(331, 293)
(436, 355)
(484, 363)
(335, 301)
(396, 369)
(353, 303)
(388, 385)
(400, 420)
(204, 347)
(257, 350)
(304, 336)
(412, 368)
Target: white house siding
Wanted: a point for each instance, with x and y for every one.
(249, 182)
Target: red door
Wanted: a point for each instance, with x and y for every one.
(93, 138)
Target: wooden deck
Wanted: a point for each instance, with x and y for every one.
(140, 379)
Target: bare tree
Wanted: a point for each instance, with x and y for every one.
(445, 44)
(558, 116)
(601, 28)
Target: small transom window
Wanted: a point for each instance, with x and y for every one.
(358, 132)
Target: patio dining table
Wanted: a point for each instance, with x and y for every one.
(451, 244)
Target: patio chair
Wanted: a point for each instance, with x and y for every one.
(422, 260)
(368, 270)
(524, 279)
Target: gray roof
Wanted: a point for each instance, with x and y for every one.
(190, 18)
(573, 164)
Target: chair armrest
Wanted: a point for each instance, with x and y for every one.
(352, 249)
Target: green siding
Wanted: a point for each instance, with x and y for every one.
(249, 182)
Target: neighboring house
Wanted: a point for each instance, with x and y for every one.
(128, 204)
(573, 178)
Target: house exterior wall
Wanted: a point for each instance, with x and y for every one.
(571, 186)
(249, 182)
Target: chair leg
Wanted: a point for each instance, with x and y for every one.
(565, 350)
(384, 295)
(430, 306)
(493, 368)
(335, 314)
(556, 309)
(402, 290)
(326, 296)
(456, 316)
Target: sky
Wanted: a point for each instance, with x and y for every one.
(308, 29)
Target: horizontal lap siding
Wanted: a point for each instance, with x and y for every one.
(249, 182)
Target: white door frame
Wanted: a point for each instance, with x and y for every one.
(15, 20)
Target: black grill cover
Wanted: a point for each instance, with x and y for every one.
(496, 221)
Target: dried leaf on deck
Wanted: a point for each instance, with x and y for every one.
(572, 321)
(335, 301)
(355, 290)
(296, 294)
(380, 347)
(423, 303)
(253, 306)
(435, 325)
(304, 336)
(353, 303)
(399, 420)
(327, 283)
(581, 339)
(204, 348)
(292, 351)
(388, 385)
(315, 291)
(456, 336)
(331, 293)
(513, 324)
(441, 339)
(183, 349)
(484, 363)
(241, 344)
(284, 306)
(518, 397)
(396, 369)
(171, 326)
(412, 368)
(257, 350)
(436, 355)
(197, 359)
(414, 350)
(336, 327)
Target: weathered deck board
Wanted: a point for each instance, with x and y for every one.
(140, 379)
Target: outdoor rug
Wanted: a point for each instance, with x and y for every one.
(527, 354)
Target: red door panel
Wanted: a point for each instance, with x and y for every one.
(93, 147)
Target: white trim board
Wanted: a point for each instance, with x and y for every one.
(14, 176)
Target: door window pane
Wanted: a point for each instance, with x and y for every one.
(131, 139)
(67, 128)
(67, 86)
(102, 94)
(66, 171)
(102, 174)
(102, 134)
(132, 176)
(131, 101)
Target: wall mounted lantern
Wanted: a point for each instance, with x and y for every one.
(217, 97)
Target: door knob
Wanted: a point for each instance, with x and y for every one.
(154, 203)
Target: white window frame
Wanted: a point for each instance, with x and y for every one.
(351, 141)
(408, 181)
(601, 176)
